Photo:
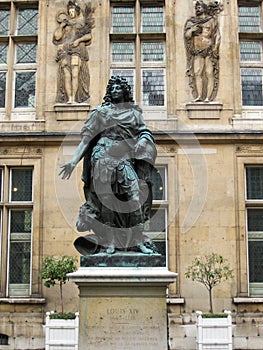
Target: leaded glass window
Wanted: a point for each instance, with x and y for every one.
(254, 192)
(20, 251)
(126, 73)
(255, 244)
(137, 53)
(21, 185)
(17, 204)
(122, 19)
(159, 186)
(156, 228)
(19, 29)
(249, 18)
(3, 53)
(251, 51)
(254, 181)
(152, 51)
(251, 86)
(152, 19)
(4, 22)
(25, 89)
(27, 21)
(26, 53)
(2, 89)
(153, 87)
(122, 52)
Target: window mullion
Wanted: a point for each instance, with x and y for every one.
(137, 80)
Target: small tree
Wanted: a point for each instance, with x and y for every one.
(209, 270)
(55, 270)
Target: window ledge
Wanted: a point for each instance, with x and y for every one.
(22, 301)
(174, 301)
(248, 300)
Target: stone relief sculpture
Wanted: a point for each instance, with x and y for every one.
(202, 41)
(72, 37)
(119, 154)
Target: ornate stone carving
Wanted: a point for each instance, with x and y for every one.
(72, 37)
(249, 149)
(202, 41)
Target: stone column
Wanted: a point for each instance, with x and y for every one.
(123, 308)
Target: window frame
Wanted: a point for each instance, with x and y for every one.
(12, 39)
(252, 36)
(255, 288)
(138, 38)
(6, 205)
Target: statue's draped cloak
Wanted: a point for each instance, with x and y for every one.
(111, 166)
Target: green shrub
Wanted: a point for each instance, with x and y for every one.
(54, 271)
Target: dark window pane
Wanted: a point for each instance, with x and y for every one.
(255, 261)
(155, 228)
(250, 51)
(20, 223)
(2, 89)
(255, 220)
(3, 339)
(153, 87)
(19, 262)
(122, 52)
(157, 222)
(152, 51)
(122, 19)
(251, 87)
(152, 19)
(254, 180)
(26, 53)
(27, 21)
(249, 18)
(1, 185)
(3, 53)
(21, 186)
(158, 184)
(4, 22)
(25, 89)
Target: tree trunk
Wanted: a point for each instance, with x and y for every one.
(61, 297)
(211, 300)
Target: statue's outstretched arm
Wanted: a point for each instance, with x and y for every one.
(67, 168)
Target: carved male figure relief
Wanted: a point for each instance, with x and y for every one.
(72, 37)
(202, 41)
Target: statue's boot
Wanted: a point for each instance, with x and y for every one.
(144, 249)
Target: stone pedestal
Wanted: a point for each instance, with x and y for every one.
(123, 308)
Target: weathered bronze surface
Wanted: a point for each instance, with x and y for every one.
(119, 154)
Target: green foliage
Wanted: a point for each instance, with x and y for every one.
(214, 315)
(210, 270)
(54, 271)
(63, 316)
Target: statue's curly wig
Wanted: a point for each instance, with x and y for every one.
(75, 5)
(127, 94)
(201, 3)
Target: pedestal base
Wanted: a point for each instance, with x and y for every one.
(123, 308)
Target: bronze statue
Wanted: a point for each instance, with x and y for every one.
(72, 37)
(119, 153)
(202, 41)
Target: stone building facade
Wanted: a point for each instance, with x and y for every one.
(210, 150)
